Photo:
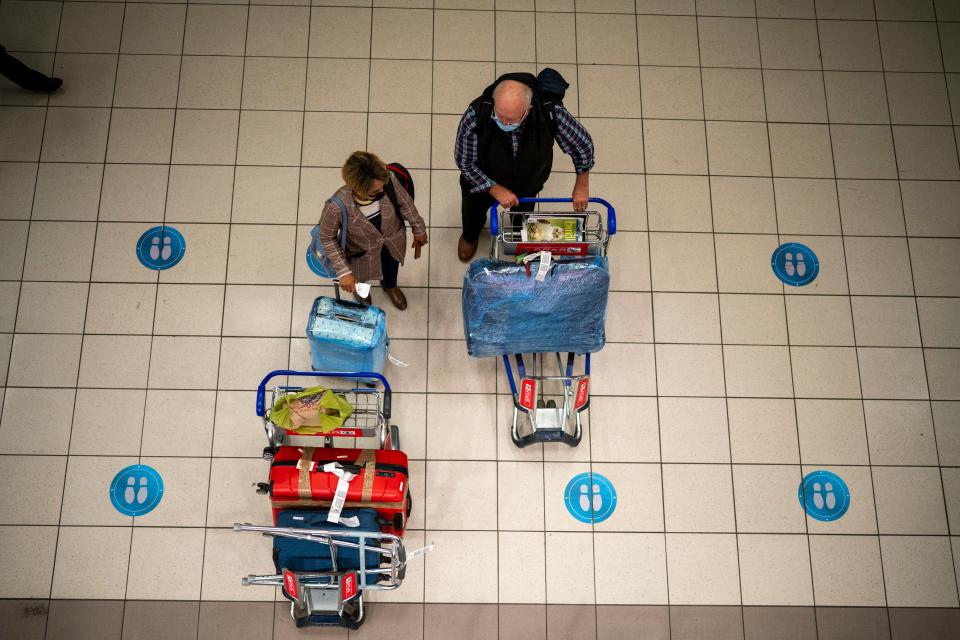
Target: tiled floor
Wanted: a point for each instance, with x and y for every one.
(723, 128)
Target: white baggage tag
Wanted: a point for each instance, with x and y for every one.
(363, 289)
(395, 360)
(419, 552)
(545, 258)
(340, 496)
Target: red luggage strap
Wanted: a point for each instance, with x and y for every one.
(306, 465)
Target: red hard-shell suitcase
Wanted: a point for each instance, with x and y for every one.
(297, 479)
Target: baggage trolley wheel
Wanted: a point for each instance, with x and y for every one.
(394, 437)
(353, 616)
(551, 404)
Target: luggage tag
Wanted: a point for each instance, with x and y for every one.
(363, 289)
(416, 553)
(340, 496)
(545, 259)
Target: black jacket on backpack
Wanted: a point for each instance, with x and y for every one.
(528, 171)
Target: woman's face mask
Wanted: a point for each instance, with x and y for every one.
(369, 199)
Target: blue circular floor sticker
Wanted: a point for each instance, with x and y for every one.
(590, 497)
(161, 248)
(136, 490)
(795, 264)
(824, 495)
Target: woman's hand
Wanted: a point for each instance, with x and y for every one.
(418, 241)
(348, 283)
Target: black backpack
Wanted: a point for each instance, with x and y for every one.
(405, 180)
(549, 86)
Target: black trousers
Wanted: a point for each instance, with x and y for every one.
(16, 71)
(475, 209)
(388, 264)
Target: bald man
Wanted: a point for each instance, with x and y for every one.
(504, 150)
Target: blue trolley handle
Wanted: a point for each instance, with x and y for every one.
(611, 213)
(262, 389)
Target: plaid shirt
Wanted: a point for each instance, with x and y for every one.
(573, 139)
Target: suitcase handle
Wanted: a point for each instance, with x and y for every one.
(611, 213)
(262, 388)
(347, 303)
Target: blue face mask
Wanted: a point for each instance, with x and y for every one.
(506, 127)
(509, 127)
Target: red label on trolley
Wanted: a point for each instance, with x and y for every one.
(558, 248)
(290, 584)
(583, 393)
(345, 433)
(348, 586)
(528, 394)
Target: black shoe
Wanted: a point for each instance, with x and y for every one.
(42, 83)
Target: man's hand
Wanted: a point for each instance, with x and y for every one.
(348, 283)
(418, 241)
(504, 196)
(581, 194)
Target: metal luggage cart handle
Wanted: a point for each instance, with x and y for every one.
(262, 388)
(611, 213)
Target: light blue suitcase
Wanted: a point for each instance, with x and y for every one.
(346, 336)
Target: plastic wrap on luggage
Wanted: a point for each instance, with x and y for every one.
(346, 337)
(505, 311)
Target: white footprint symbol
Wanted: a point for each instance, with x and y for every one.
(597, 498)
(788, 263)
(801, 265)
(817, 496)
(831, 497)
(154, 248)
(584, 499)
(128, 494)
(168, 249)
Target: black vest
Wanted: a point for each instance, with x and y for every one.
(526, 173)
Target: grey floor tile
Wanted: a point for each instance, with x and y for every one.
(159, 620)
(85, 620)
(861, 623)
(706, 623)
(390, 620)
(236, 620)
(783, 623)
(647, 622)
(465, 621)
(924, 624)
(23, 619)
(523, 622)
(571, 622)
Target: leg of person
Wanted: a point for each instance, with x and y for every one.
(22, 75)
(474, 208)
(390, 268)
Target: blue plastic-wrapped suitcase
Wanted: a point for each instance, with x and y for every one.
(506, 310)
(346, 336)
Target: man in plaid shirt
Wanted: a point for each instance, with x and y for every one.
(504, 150)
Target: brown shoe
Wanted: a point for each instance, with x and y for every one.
(465, 250)
(396, 297)
(364, 301)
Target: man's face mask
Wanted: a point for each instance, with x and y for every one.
(510, 126)
(369, 200)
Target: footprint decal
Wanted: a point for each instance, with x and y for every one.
(795, 264)
(824, 496)
(590, 498)
(160, 247)
(136, 490)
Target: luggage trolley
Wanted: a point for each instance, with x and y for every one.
(328, 587)
(370, 417)
(537, 416)
(324, 567)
